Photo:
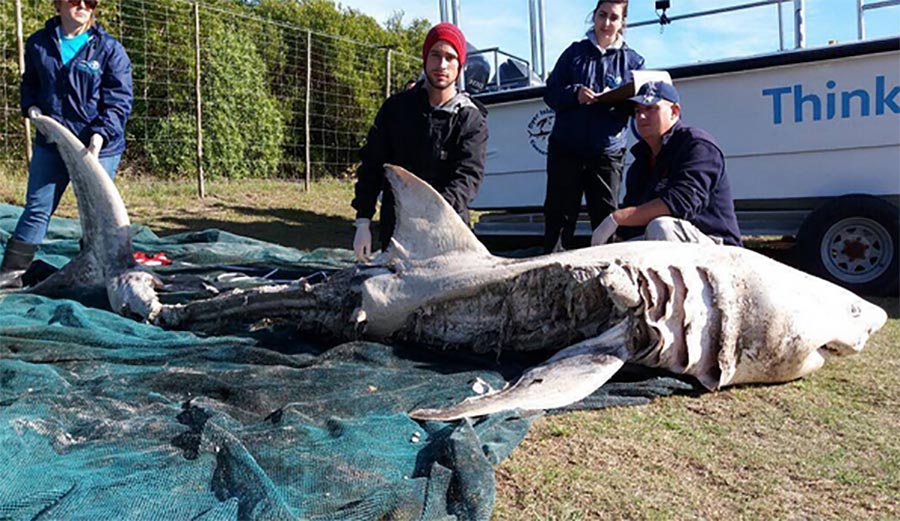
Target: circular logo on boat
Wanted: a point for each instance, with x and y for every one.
(539, 129)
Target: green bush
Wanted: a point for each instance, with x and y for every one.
(243, 129)
(171, 147)
(253, 82)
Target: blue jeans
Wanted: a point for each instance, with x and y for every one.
(47, 180)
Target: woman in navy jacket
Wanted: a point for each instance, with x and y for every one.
(587, 146)
(79, 75)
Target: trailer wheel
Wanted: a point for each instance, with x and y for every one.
(853, 241)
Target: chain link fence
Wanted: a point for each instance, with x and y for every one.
(271, 99)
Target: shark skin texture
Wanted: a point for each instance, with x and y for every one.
(723, 315)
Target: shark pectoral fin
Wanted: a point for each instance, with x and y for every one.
(569, 376)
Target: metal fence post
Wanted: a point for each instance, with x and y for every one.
(308, 177)
(201, 188)
(20, 42)
(387, 74)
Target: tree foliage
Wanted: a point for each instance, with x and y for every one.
(253, 73)
(243, 128)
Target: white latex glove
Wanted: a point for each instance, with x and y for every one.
(362, 241)
(34, 112)
(558, 247)
(604, 231)
(96, 145)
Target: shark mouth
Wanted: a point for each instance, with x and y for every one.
(838, 348)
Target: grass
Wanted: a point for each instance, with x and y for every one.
(822, 448)
(276, 211)
(826, 447)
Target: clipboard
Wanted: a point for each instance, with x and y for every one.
(628, 90)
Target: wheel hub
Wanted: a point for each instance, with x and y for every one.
(857, 250)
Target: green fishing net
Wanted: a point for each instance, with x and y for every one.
(102, 417)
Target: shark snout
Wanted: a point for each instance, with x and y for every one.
(874, 316)
(865, 320)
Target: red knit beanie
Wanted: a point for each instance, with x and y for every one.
(449, 32)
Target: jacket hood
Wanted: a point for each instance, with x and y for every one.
(618, 44)
(457, 103)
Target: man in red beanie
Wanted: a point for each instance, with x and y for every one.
(432, 130)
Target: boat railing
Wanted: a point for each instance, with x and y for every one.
(492, 70)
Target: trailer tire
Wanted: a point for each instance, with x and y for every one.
(853, 241)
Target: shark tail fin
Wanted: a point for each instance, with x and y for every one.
(569, 376)
(100, 206)
(105, 269)
(427, 226)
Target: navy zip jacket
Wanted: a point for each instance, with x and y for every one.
(599, 128)
(445, 146)
(689, 177)
(90, 95)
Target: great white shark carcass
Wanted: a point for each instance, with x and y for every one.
(723, 315)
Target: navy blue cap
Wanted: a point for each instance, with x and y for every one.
(653, 92)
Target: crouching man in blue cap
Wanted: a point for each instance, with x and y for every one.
(676, 189)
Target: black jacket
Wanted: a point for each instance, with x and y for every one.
(689, 177)
(444, 146)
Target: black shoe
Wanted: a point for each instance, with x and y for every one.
(16, 260)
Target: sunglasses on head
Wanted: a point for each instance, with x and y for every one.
(90, 4)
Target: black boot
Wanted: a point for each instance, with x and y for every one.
(16, 260)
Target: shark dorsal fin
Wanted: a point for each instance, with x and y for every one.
(427, 226)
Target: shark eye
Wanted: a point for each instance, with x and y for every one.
(855, 310)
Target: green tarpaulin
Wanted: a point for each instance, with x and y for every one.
(105, 418)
